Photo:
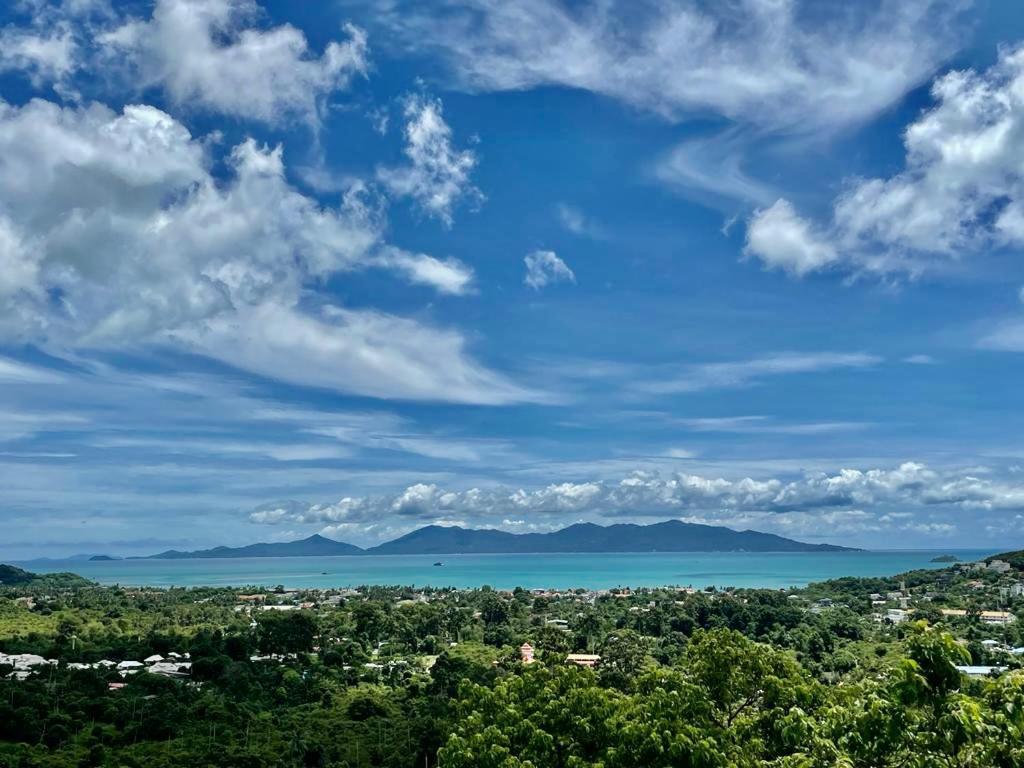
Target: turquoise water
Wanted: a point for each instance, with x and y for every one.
(557, 571)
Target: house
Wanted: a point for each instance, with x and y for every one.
(171, 669)
(980, 671)
(583, 659)
(896, 615)
(129, 667)
(25, 662)
(154, 659)
(526, 653)
(999, 566)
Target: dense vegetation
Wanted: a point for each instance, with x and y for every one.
(397, 677)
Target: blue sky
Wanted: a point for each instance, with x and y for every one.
(355, 267)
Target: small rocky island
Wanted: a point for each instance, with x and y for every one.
(946, 559)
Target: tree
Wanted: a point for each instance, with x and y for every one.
(286, 632)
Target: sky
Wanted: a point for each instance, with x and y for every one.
(353, 267)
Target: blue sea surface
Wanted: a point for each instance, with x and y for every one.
(556, 571)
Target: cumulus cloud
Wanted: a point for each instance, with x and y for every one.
(544, 268)
(45, 55)
(119, 215)
(847, 493)
(782, 239)
(771, 63)
(437, 176)
(961, 191)
(206, 53)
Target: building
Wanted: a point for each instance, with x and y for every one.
(526, 653)
(1014, 590)
(583, 659)
(980, 671)
(987, 617)
(999, 566)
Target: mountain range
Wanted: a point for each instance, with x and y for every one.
(669, 536)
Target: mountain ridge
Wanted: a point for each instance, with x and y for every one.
(312, 546)
(666, 536)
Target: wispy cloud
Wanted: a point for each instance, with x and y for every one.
(769, 64)
(767, 425)
(576, 221)
(744, 373)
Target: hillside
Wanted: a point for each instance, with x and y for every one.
(11, 576)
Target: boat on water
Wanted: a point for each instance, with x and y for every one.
(438, 563)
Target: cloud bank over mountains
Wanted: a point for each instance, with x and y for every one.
(870, 499)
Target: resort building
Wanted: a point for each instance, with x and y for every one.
(988, 617)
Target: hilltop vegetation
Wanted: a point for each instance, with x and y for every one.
(10, 576)
(402, 677)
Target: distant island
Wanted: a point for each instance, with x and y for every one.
(945, 559)
(669, 536)
(102, 558)
(314, 546)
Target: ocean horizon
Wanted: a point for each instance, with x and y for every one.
(770, 570)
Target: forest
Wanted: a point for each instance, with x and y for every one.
(854, 672)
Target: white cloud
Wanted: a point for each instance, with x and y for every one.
(783, 240)
(364, 352)
(205, 53)
(449, 276)
(848, 494)
(544, 268)
(744, 373)
(438, 175)
(14, 372)
(775, 64)
(577, 222)
(1007, 336)
(227, 448)
(961, 191)
(710, 169)
(920, 360)
(765, 425)
(680, 453)
(120, 215)
(46, 55)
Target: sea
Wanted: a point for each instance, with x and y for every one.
(538, 571)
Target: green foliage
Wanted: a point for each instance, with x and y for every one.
(390, 676)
